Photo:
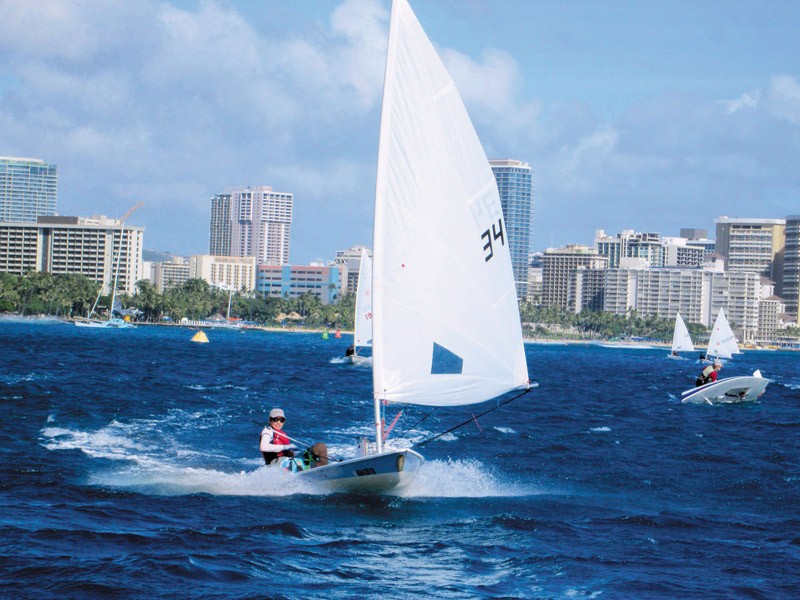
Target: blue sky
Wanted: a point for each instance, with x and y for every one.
(633, 115)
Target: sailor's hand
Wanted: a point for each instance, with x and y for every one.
(290, 447)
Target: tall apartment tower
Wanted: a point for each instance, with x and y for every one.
(558, 271)
(28, 189)
(252, 222)
(791, 268)
(219, 232)
(752, 245)
(515, 184)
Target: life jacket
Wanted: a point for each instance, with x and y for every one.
(278, 437)
(705, 376)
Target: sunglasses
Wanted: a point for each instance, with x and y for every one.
(280, 419)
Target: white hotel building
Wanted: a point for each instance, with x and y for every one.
(96, 247)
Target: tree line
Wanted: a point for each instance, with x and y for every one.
(40, 293)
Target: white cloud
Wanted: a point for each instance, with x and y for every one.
(783, 98)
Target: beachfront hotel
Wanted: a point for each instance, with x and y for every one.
(98, 248)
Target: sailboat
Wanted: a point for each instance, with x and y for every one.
(362, 336)
(112, 322)
(446, 326)
(116, 306)
(681, 340)
(744, 388)
(722, 343)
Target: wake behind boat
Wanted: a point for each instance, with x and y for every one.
(446, 327)
(730, 389)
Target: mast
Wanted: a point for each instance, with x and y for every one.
(119, 254)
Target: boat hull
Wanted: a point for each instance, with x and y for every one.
(731, 389)
(112, 324)
(355, 359)
(367, 474)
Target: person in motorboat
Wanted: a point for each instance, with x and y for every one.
(276, 445)
(708, 374)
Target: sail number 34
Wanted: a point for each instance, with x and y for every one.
(492, 235)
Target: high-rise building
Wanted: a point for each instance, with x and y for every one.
(261, 222)
(98, 247)
(697, 294)
(294, 281)
(28, 189)
(515, 184)
(629, 244)
(558, 265)
(350, 262)
(752, 245)
(790, 286)
(219, 232)
(170, 274)
(225, 272)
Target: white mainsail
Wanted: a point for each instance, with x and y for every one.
(722, 343)
(363, 321)
(681, 340)
(446, 322)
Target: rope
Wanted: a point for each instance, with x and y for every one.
(470, 420)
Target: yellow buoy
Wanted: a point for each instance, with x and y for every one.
(200, 337)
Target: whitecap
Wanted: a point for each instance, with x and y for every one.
(461, 479)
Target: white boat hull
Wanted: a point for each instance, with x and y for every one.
(367, 474)
(730, 389)
(112, 324)
(355, 359)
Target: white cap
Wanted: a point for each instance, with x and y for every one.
(276, 412)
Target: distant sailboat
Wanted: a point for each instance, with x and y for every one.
(362, 337)
(681, 340)
(722, 343)
(111, 322)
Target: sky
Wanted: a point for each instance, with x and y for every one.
(644, 115)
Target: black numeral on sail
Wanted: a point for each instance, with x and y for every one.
(492, 235)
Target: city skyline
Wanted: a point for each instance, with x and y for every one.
(632, 116)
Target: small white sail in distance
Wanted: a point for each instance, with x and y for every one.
(722, 343)
(681, 340)
(363, 322)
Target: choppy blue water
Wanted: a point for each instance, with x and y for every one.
(130, 469)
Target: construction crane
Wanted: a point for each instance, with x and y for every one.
(131, 210)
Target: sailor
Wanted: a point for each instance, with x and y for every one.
(350, 351)
(708, 374)
(274, 441)
(275, 444)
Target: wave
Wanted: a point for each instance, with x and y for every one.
(462, 479)
(146, 459)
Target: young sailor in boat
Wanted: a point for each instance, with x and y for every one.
(274, 441)
(708, 374)
(350, 351)
(276, 444)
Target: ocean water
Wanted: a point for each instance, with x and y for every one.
(130, 469)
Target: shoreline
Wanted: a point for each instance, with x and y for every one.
(321, 330)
